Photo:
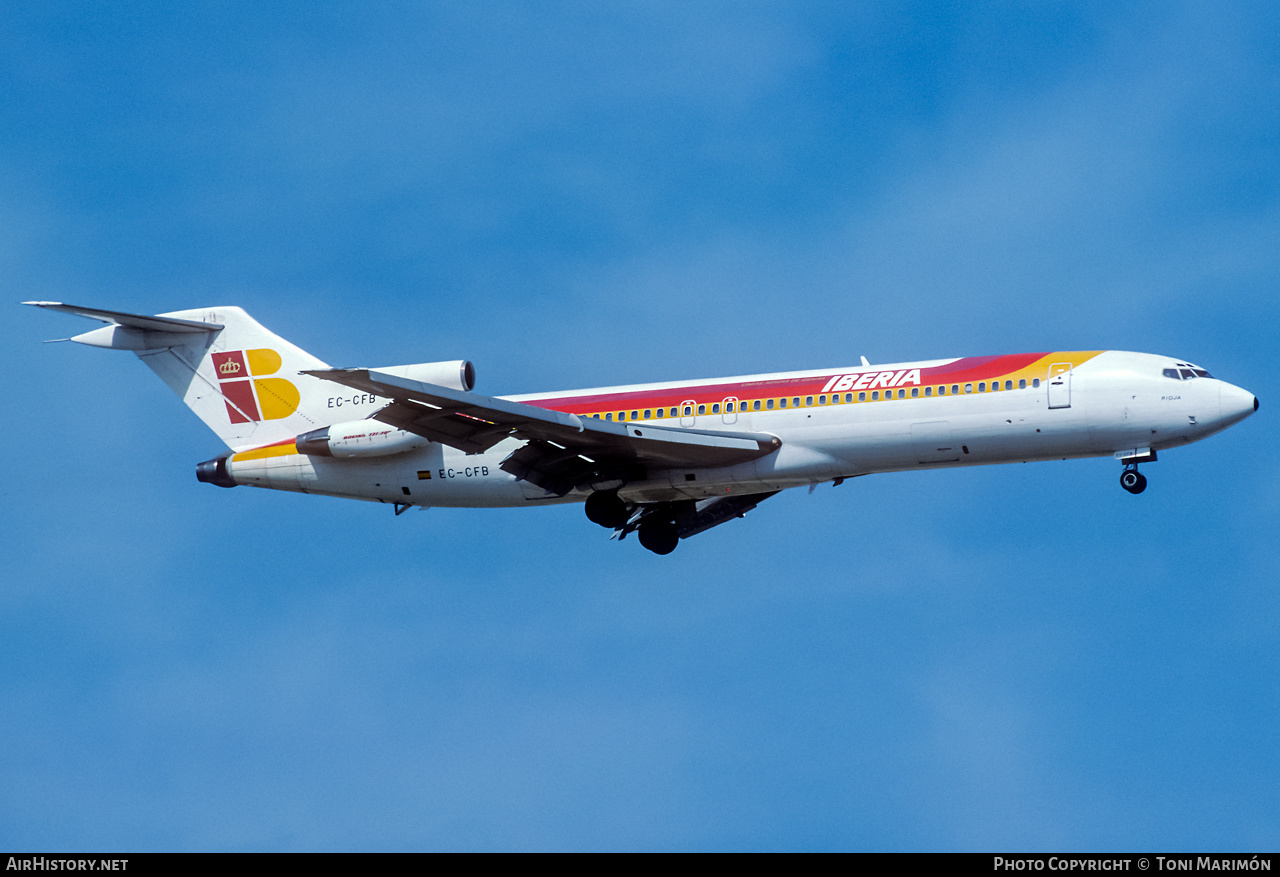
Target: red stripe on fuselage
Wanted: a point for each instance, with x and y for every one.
(970, 368)
(977, 368)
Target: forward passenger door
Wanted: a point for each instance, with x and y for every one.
(1060, 385)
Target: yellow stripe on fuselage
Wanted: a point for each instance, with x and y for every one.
(283, 449)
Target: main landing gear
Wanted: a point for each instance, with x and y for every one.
(659, 535)
(606, 508)
(656, 528)
(1132, 480)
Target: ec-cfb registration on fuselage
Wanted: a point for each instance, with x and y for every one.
(666, 460)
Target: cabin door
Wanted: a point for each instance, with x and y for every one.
(1060, 385)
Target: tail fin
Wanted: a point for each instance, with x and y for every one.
(242, 380)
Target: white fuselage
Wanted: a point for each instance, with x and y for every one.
(1107, 403)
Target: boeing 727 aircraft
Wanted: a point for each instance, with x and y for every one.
(666, 461)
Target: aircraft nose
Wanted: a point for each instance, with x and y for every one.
(1235, 404)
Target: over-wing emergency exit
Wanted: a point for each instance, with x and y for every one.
(666, 460)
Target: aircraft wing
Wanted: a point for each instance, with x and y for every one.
(562, 451)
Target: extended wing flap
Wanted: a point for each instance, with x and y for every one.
(564, 450)
(720, 510)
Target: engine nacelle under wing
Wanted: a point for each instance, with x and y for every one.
(358, 438)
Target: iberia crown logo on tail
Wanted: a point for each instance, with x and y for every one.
(249, 395)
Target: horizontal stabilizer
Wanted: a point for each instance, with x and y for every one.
(143, 322)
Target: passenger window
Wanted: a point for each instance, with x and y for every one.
(875, 395)
(982, 387)
(648, 412)
(635, 415)
(596, 416)
(822, 400)
(1022, 383)
(942, 391)
(795, 403)
(902, 394)
(862, 397)
(808, 401)
(955, 388)
(848, 397)
(715, 409)
(1008, 385)
(782, 403)
(755, 406)
(928, 391)
(915, 392)
(769, 405)
(702, 409)
(1035, 382)
(609, 416)
(674, 412)
(688, 411)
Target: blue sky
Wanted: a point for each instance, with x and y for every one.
(1003, 658)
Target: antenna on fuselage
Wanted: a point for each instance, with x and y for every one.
(864, 361)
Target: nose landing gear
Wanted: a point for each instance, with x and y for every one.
(1132, 480)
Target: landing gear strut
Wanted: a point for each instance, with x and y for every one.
(1132, 480)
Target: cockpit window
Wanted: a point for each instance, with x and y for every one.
(1185, 372)
(1195, 370)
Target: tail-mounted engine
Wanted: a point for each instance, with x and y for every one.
(458, 374)
(359, 438)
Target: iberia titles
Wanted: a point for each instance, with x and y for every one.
(871, 380)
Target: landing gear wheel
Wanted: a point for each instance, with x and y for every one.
(1133, 481)
(606, 508)
(660, 537)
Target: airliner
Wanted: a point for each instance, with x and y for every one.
(666, 460)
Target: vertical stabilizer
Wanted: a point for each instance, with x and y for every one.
(241, 379)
